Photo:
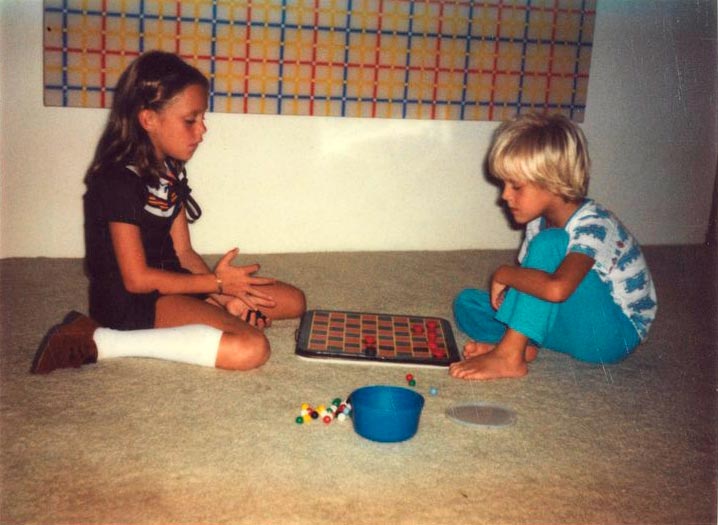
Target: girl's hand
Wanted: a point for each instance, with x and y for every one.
(240, 282)
(238, 308)
(498, 291)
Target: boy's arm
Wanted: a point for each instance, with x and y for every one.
(554, 287)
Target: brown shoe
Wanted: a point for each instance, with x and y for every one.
(68, 344)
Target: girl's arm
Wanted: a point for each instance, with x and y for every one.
(193, 262)
(554, 287)
(138, 277)
(188, 258)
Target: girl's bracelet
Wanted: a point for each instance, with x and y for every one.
(220, 286)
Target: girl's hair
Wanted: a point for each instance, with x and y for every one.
(149, 82)
(548, 150)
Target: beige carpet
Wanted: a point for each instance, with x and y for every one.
(145, 441)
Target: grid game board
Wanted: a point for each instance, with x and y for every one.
(409, 59)
(376, 337)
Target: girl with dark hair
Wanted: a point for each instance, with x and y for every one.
(151, 294)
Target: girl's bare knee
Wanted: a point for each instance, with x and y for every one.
(300, 303)
(291, 302)
(243, 351)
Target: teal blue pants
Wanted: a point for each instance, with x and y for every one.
(589, 325)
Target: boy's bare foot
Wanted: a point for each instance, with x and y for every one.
(477, 348)
(506, 359)
(530, 353)
(488, 366)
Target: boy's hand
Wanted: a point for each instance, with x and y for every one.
(498, 291)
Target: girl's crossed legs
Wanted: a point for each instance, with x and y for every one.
(186, 329)
(241, 346)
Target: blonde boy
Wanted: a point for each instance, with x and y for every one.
(582, 287)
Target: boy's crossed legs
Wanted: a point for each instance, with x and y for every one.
(588, 326)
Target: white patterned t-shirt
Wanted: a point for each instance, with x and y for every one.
(595, 231)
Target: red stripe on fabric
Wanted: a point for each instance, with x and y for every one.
(159, 204)
(315, 41)
(81, 50)
(437, 61)
(496, 60)
(375, 90)
(492, 4)
(178, 26)
(551, 56)
(103, 60)
(247, 61)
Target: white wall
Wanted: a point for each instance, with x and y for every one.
(294, 184)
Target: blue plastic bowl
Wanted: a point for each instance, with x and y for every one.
(386, 413)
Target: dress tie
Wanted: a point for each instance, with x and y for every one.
(181, 188)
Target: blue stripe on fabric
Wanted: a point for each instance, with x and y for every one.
(345, 72)
(524, 46)
(407, 62)
(577, 61)
(282, 32)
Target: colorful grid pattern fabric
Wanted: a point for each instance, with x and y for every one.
(423, 59)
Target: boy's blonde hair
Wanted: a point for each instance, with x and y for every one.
(548, 150)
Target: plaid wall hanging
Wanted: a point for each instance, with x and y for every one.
(418, 59)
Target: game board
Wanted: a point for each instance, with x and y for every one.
(376, 338)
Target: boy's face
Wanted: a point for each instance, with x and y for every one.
(526, 200)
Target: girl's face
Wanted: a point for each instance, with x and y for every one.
(177, 129)
(526, 200)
